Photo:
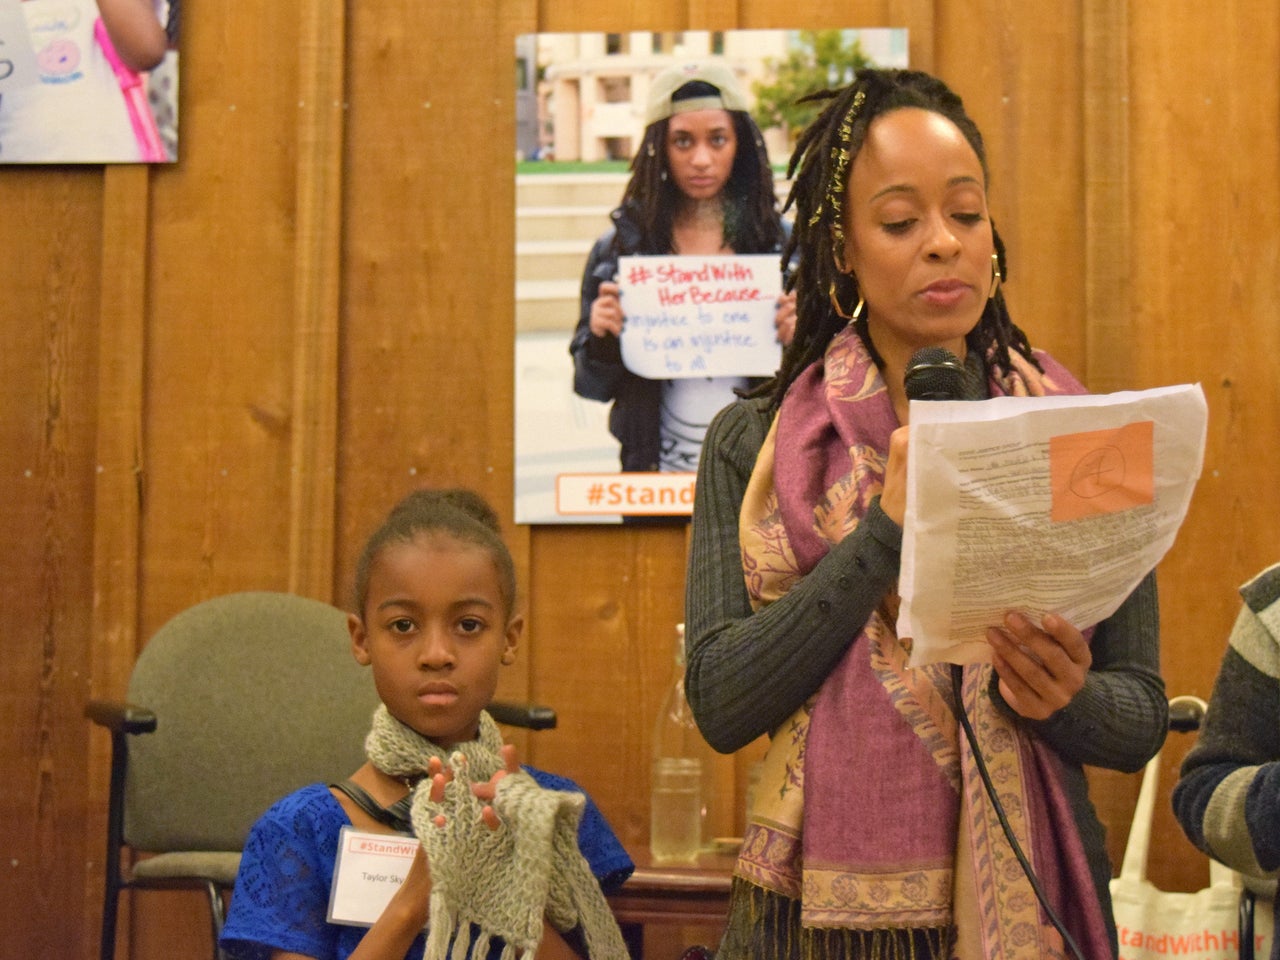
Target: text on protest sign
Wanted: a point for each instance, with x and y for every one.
(700, 316)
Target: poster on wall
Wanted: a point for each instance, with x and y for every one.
(640, 306)
(83, 83)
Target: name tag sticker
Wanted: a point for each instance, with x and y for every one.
(367, 872)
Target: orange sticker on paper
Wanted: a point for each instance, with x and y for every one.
(1102, 471)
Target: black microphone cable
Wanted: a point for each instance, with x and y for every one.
(957, 682)
(935, 373)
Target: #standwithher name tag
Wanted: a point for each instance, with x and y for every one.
(367, 872)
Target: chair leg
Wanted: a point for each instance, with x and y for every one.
(217, 917)
(110, 909)
(633, 937)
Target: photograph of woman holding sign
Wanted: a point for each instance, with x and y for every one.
(871, 833)
(701, 184)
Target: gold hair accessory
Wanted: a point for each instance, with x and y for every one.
(995, 276)
(840, 172)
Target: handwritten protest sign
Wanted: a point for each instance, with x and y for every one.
(700, 316)
(17, 58)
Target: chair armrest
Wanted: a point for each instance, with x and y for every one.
(1186, 714)
(120, 717)
(527, 715)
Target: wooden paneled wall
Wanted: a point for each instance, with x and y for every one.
(217, 375)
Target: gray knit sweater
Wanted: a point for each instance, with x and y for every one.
(1228, 796)
(747, 673)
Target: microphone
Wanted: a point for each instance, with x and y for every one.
(935, 373)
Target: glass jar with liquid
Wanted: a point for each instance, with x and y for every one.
(682, 776)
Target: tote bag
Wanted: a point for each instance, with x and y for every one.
(1155, 924)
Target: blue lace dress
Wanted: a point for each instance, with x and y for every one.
(281, 894)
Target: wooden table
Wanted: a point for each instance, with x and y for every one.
(674, 894)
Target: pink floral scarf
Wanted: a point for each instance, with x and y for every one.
(871, 833)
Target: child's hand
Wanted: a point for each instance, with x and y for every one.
(442, 776)
(416, 888)
(487, 791)
(403, 918)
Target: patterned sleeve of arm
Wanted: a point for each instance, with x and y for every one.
(597, 361)
(1227, 798)
(748, 671)
(1120, 718)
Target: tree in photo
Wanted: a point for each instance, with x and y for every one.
(818, 59)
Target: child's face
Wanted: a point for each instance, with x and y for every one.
(435, 629)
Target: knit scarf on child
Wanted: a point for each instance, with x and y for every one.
(495, 884)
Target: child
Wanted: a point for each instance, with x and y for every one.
(78, 109)
(435, 600)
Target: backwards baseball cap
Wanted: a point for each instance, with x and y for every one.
(713, 72)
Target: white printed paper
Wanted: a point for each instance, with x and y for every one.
(1039, 505)
(700, 316)
(368, 870)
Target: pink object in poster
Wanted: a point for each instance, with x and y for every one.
(135, 99)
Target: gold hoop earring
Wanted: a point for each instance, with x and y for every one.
(838, 257)
(840, 311)
(995, 276)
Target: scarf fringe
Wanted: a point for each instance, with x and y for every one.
(440, 931)
(480, 948)
(457, 940)
(765, 925)
(461, 943)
